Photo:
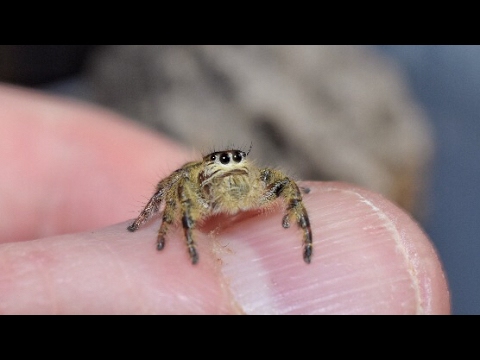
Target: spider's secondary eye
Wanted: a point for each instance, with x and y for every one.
(213, 157)
(224, 158)
(237, 157)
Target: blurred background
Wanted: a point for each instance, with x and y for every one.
(399, 120)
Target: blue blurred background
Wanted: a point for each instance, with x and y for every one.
(444, 80)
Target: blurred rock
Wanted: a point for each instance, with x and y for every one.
(317, 112)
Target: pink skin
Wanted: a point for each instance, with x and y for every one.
(71, 170)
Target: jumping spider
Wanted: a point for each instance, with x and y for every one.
(223, 181)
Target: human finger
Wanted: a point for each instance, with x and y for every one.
(369, 257)
(70, 166)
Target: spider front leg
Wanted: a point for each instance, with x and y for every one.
(295, 209)
(280, 185)
(151, 208)
(153, 204)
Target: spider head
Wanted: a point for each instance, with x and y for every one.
(221, 164)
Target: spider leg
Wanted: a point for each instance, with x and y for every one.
(190, 214)
(188, 224)
(167, 219)
(295, 209)
(279, 185)
(153, 204)
(151, 208)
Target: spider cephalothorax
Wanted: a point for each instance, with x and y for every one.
(223, 181)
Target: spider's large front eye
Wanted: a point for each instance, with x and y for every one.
(237, 157)
(224, 158)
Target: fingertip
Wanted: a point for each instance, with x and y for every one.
(369, 257)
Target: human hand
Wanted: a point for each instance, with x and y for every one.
(70, 171)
